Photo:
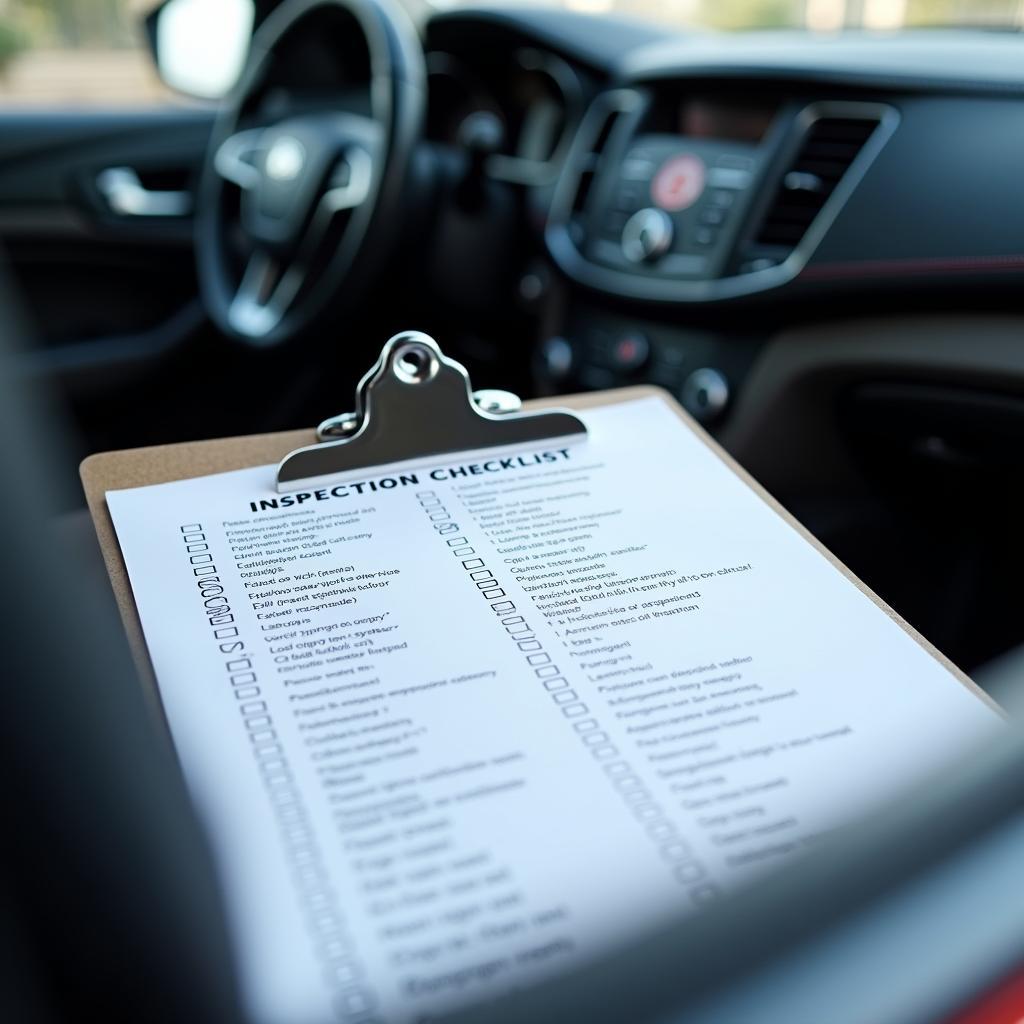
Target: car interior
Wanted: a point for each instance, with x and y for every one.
(814, 241)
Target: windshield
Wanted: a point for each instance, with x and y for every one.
(814, 15)
(74, 53)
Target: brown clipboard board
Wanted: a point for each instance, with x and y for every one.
(141, 467)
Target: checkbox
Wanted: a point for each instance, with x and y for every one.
(529, 645)
(585, 725)
(473, 563)
(539, 659)
(254, 708)
(344, 974)
(513, 620)
(197, 547)
(636, 796)
(425, 494)
(264, 750)
(646, 811)
(564, 696)
(247, 691)
(191, 528)
(485, 584)
(456, 542)
(335, 949)
(546, 671)
(617, 768)
(273, 764)
(625, 782)
(194, 538)
(491, 595)
(259, 722)
(446, 528)
(504, 606)
(327, 922)
(318, 900)
(603, 752)
(704, 894)
(292, 814)
(676, 850)
(557, 683)
(204, 570)
(200, 559)
(591, 739)
(239, 663)
(430, 502)
(522, 626)
(309, 875)
(242, 678)
(661, 830)
(226, 633)
(688, 872)
(354, 1001)
(460, 552)
(482, 574)
(573, 710)
(266, 734)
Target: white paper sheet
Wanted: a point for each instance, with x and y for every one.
(457, 725)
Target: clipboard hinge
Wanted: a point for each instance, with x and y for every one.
(414, 403)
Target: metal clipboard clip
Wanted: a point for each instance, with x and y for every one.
(416, 403)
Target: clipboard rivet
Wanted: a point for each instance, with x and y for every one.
(414, 363)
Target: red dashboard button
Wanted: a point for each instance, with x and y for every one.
(679, 182)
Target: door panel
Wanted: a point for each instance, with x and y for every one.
(88, 270)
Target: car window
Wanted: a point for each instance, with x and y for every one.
(77, 53)
(815, 15)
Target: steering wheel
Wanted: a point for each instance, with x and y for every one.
(308, 160)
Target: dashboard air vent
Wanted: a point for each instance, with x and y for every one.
(602, 121)
(829, 147)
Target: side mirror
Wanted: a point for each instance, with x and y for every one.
(201, 46)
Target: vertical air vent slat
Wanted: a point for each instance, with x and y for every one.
(829, 147)
(596, 134)
(591, 161)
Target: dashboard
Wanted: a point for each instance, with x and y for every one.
(742, 182)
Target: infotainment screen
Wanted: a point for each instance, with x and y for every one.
(736, 119)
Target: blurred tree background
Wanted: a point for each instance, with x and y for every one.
(67, 54)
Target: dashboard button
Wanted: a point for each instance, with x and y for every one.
(630, 352)
(729, 177)
(704, 237)
(713, 215)
(647, 235)
(679, 182)
(631, 195)
(557, 357)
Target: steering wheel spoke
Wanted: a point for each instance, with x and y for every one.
(237, 158)
(264, 295)
(351, 181)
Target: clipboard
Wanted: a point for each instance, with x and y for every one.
(415, 402)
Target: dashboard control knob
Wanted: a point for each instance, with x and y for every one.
(705, 394)
(647, 235)
(557, 357)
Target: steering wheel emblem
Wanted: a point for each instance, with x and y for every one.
(285, 159)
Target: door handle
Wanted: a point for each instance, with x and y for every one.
(128, 197)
